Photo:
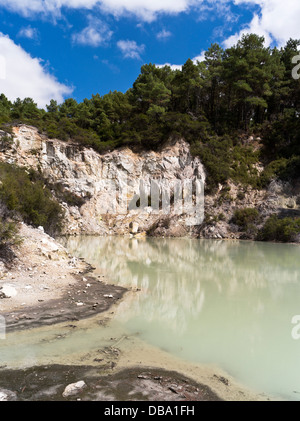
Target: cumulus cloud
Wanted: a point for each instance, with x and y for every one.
(145, 9)
(29, 32)
(173, 66)
(277, 21)
(199, 58)
(130, 49)
(31, 7)
(254, 27)
(163, 34)
(95, 34)
(24, 76)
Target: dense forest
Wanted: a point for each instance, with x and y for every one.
(215, 105)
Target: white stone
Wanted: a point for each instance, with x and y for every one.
(74, 388)
(7, 395)
(3, 397)
(9, 290)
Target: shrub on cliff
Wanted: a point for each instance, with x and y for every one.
(245, 217)
(25, 194)
(8, 238)
(282, 230)
(8, 233)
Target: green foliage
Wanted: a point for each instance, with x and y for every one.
(246, 88)
(25, 110)
(282, 230)
(6, 141)
(282, 137)
(283, 168)
(243, 166)
(272, 170)
(246, 218)
(25, 193)
(8, 234)
(225, 160)
(216, 158)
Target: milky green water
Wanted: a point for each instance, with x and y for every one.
(227, 303)
(218, 302)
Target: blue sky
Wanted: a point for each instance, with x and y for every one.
(62, 48)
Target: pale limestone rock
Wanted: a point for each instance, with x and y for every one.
(100, 180)
(7, 395)
(74, 388)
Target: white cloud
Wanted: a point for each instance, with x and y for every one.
(278, 20)
(25, 76)
(163, 34)
(28, 32)
(96, 33)
(254, 27)
(200, 57)
(145, 9)
(130, 49)
(173, 66)
(30, 7)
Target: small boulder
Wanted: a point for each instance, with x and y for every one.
(7, 395)
(74, 388)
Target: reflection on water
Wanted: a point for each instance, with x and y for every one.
(228, 303)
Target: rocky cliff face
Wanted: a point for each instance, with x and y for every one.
(93, 188)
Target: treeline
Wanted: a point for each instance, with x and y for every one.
(245, 89)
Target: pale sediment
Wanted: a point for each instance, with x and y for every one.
(45, 285)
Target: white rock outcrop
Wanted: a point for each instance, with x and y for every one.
(101, 183)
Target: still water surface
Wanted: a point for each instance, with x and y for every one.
(213, 302)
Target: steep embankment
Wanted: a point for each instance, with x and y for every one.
(89, 186)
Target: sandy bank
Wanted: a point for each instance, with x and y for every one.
(46, 285)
